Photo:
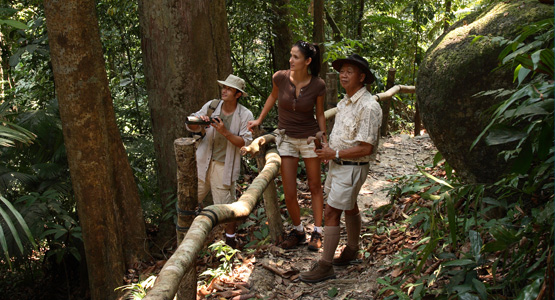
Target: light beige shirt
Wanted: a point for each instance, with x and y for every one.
(358, 119)
(233, 154)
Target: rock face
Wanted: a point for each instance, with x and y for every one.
(454, 69)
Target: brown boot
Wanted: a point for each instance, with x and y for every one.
(320, 271)
(315, 241)
(348, 256)
(293, 239)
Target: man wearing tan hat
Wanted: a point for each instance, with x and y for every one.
(218, 153)
(352, 141)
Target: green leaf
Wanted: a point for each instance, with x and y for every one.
(531, 291)
(475, 244)
(502, 134)
(522, 163)
(432, 177)
(21, 221)
(468, 296)
(437, 158)
(430, 247)
(15, 24)
(481, 288)
(452, 219)
(546, 57)
(4, 245)
(458, 262)
(545, 141)
(333, 292)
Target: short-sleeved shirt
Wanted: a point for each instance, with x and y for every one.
(296, 115)
(358, 119)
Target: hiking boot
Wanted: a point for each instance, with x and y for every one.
(231, 242)
(320, 271)
(348, 256)
(293, 239)
(315, 241)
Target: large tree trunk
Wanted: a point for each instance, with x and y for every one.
(186, 48)
(447, 15)
(318, 34)
(283, 39)
(360, 17)
(107, 198)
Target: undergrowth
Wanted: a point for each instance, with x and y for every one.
(490, 241)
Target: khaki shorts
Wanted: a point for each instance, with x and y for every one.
(220, 194)
(288, 146)
(343, 184)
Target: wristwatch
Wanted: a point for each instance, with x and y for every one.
(337, 160)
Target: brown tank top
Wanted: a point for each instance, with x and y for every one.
(296, 114)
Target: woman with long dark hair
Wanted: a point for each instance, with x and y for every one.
(300, 95)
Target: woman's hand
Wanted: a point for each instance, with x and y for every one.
(252, 124)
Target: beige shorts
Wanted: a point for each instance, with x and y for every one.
(288, 146)
(343, 184)
(221, 194)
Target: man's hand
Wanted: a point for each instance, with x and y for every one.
(218, 124)
(326, 153)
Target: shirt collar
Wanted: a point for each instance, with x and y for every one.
(356, 95)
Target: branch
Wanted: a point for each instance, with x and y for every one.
(254, 147)
(175, 268)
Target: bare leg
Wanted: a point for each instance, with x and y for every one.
(313, 171)
(289, 166)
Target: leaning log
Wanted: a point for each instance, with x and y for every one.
(168, 280)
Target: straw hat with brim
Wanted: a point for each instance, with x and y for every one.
(358, 61)
(234, 82)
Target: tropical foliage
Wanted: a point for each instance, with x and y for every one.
(492, 241)
(36, 198)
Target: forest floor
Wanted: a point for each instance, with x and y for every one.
(270, 272)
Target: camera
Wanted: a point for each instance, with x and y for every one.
(192, 120)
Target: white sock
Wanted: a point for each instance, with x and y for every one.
(299, 227)
(318, 229)
(230, 235)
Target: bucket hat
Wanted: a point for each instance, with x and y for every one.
(358, 61)
(234, 82)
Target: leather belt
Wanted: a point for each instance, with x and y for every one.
(350, 163)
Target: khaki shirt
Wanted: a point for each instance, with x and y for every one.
(358, 119)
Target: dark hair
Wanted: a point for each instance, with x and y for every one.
(312, 51)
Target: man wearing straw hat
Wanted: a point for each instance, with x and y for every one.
(352, 141)
(218, 153)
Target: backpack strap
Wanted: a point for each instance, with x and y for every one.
(212, 107)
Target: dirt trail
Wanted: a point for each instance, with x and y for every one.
(397, 156)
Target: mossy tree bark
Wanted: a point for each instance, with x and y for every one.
(457, 67)
(108, 204)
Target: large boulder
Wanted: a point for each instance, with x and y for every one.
(455, 69)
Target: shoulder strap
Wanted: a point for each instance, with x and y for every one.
(212, 107)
